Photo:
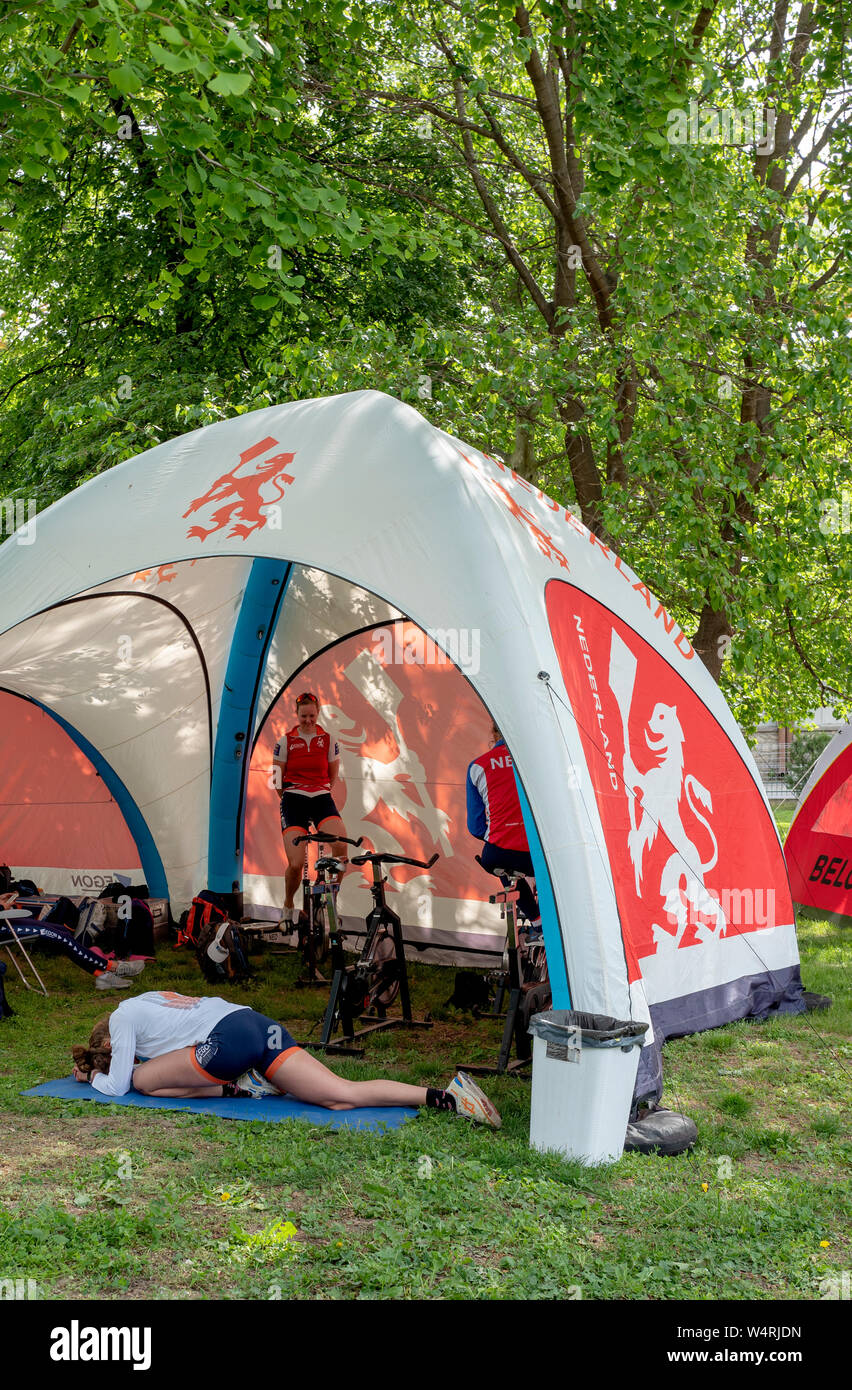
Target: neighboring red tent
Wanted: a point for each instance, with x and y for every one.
(818, 847)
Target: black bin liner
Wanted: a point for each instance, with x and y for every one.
(597, 1030)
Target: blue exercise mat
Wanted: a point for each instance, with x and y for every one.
(271, 1109)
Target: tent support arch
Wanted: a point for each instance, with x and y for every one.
(557, 968)
(173, 609)
(253, 632)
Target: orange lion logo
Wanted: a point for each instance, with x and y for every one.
(240, 493)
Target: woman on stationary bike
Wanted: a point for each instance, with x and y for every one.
(494, 815)
(306, 764)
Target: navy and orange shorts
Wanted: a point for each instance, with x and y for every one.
(299, 812)
(243, 1040)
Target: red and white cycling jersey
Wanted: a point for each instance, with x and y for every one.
(493, 805)
(305, 765)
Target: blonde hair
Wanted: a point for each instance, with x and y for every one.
(97, 1056)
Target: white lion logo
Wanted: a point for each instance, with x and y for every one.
(401, 782)
(654, 801)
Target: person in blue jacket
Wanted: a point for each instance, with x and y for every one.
(494, 816)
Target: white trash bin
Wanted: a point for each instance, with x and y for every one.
(584, 1072)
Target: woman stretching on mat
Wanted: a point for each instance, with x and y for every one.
(207, 1048)
(306, 763)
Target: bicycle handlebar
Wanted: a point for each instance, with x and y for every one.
(394, 859)
(323, 838)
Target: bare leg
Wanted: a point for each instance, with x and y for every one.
(333, 825)
(189, 1092)
(308, 1079)
(175, 1074)
(295, 864)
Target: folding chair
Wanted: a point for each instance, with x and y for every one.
(11, 936)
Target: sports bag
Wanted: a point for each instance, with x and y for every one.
(114, 891)
(472, 993)
(135, 932)
(202, 911)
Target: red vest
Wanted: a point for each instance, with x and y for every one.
(306, 768)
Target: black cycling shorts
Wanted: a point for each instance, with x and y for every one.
(299, 812)
(243, 1040)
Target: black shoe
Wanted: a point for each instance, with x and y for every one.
(660, 1132)
(816, 1001)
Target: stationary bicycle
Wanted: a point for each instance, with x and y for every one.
(317, 923)
(525, 967)
(364, 991)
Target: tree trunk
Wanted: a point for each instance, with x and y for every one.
(712, 640)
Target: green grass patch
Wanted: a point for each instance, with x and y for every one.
(100, 1201)
(734, 1104)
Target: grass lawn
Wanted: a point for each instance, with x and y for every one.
(100, 1201)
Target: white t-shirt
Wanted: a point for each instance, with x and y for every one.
(152, 1024)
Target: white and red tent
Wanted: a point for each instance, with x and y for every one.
(167, 611)
(818, 847)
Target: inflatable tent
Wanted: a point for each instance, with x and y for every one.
(165, 610)
(818, 847)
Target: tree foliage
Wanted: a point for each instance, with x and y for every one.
(613, 238)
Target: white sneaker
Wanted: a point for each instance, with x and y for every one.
(109, 980)
(256, 1085)
(128, 967)
(472, 1103)
(289, 920)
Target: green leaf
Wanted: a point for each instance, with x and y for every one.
(172, 62)
(236, 45)
(230, 84)
(126, 79)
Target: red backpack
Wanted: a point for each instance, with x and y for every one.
(201, 913)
